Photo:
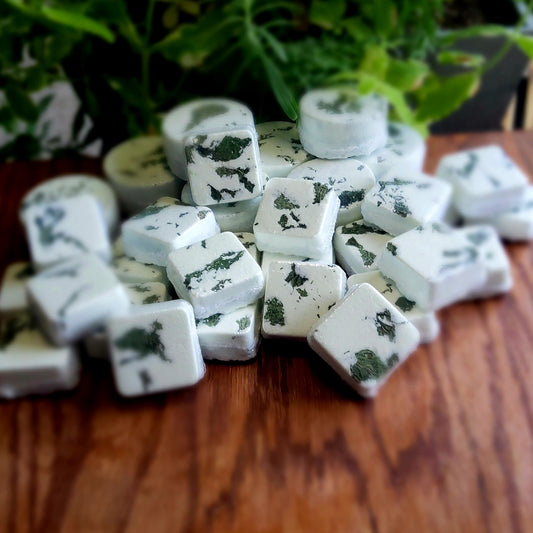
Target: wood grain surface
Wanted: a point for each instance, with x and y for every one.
(280, 444)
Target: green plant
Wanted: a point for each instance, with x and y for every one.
(131, 61)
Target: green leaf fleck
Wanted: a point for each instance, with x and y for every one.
(295, 279)
(404, 304)
(243, 323)
(320, 189)
(369, 366)
(274, 312)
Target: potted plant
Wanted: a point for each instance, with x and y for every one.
(131, 61)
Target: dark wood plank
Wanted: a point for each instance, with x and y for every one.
(280, 444)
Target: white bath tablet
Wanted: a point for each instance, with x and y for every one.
(433, 265)
(485, 181)
(336, 123)
(358, 246)
(405, 148)
(75, 297)
(232, 336)
(350, 179)
(71, 185)
(402, 200)
(495, 261)
(364, 338)
(198, 116)
(138, 172)
(425, 322)
(29, 364)
(297, 295)
(224, 166)
(65, 228)
(166, 225)
(280, 148)
(296, 217)
(216, 275)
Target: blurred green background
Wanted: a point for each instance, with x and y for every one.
(123, 63)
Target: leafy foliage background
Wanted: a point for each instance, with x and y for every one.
(131, 61)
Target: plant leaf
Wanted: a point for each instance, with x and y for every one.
(281, 90)
(406, 75)
(458, 57)
(21, 104)
(447, 96)
(525, 42)
(327, 13)
(486, 30)
(77, 21)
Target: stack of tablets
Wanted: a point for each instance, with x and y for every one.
(250, 246)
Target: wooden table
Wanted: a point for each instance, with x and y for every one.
(280, 444)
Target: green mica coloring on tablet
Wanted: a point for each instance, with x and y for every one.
(393, 249)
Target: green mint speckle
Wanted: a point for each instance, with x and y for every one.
(149, 211)
(392, 248)
(146, 379)
(302, 292)
(367, 256)
(369, 366)
(46, 225)
(243, 323)
(404, 304)
(220, 284)
(342, 104)
(350, 197)
(144, 343)
(205, 111)
(210, 321)
(385, 325)
(152, 299)
(320, 191)
(228, 149)
(282, 202)
(275, 313)
(240, 173)
(361, 229)
(295, 279)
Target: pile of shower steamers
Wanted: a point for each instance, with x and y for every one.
(233, 229)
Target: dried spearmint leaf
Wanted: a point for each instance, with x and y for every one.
(143, 342)
(275, 313)
(369, 366)
(295, 279)
(367, 256)
(385, 325)
(204, 112)
(222, 262)
(243, 323)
